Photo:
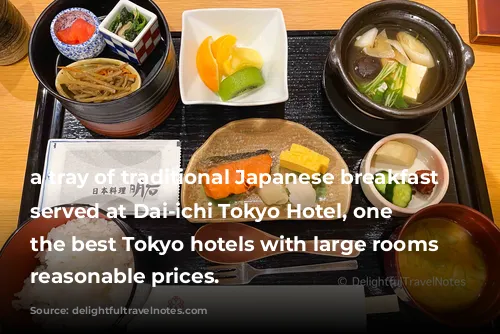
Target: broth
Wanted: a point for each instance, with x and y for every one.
(418, 63)
(449, 279)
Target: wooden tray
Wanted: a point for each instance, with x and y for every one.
(452, 132)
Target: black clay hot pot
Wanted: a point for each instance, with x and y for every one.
(458, 58)
(132, 115)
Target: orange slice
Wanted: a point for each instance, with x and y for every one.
(217, 44)
(207, 65)
(225, 50)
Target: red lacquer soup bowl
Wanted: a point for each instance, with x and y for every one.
(482, 235)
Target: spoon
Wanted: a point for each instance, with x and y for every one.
(240, 233)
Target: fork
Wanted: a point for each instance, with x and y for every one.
(243, 273)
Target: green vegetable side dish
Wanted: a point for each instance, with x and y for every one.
(127, 24)
(399, 194)
(383, 175)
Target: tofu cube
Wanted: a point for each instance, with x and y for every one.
(414, 75)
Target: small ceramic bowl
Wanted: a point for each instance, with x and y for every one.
(143, 45)
(88, 49)
(428, 158)
(262, 29)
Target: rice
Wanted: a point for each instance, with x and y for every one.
(72, 295)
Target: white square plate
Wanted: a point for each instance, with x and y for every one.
(262, 29)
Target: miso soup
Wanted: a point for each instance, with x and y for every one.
(449, 279)
(393, 67)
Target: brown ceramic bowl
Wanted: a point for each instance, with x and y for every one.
(17, 261)
(487, 237)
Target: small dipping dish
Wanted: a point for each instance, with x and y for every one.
(428, 158)
(88, 49)
(142, 46)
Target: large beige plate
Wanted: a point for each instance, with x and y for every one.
(275, 135)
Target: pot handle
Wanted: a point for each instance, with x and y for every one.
(469, 57)
(333, 59)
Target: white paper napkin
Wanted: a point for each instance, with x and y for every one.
(86, 162)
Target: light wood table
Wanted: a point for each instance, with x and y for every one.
(18, 87)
